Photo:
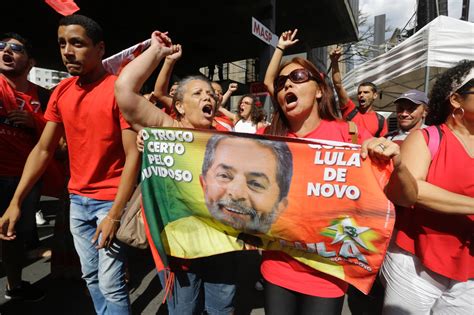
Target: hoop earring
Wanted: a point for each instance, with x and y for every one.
(453, 114)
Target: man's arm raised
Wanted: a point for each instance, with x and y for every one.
(337, 78)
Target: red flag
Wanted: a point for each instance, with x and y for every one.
(64, 7)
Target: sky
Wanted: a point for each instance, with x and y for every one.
(398, 12)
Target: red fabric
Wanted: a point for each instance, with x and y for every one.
(17, 142)
(222, 123)
(223, 118)
(368, 120)
(284, 271)
(444, 243)
(93, 124)
(64, 7)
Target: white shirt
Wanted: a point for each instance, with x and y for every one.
(245, 126)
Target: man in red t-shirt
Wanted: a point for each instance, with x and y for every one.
(21, 124)
(364, 115)
(103, 162)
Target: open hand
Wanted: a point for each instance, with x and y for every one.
(287, 39)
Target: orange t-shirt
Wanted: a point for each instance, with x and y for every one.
(93, 125)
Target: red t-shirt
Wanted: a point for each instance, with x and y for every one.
(17, 142)
(281, 269)
(444, 243)
(222, 122)
(93, 125)
(368, 121)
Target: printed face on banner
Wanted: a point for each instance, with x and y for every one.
(240, 190)
(318, 202)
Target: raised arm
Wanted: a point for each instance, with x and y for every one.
(136, 109)
(334, 55)
(286, 40)
(229, 114)
(417, 158)
(163, 79)
(231, 89)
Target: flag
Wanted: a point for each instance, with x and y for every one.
(114, 64)
(63, 7)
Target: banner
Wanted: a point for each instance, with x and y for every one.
(114, 64)
(207, 193)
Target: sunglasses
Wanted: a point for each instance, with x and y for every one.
(295, 76)
(14, 47)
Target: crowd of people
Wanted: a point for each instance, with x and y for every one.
(95, 117)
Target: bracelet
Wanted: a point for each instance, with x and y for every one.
(113, 220)
(278, 47)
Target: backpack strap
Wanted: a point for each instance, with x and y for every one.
(353, 131)
(381, 122)
(352, 114)
(434, 134)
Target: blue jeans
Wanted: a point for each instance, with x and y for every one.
(104, 269)
(208, 285)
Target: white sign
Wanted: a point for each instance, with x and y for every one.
(262, 32)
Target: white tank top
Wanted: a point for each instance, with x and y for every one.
(245, 126)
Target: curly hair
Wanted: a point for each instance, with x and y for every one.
(439, 107)
(255, 115)
(280, 125)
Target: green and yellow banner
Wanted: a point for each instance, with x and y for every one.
(207, 193)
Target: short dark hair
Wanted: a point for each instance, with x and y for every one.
(93, 29)
(280, 149)
(23, 40)
(439, 107)
(373, 86)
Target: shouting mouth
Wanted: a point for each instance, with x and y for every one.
(7, 59)
(208, 110)
(291, 100)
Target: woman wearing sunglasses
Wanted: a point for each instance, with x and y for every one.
(304, 108)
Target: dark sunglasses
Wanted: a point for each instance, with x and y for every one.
(14, 47)
(467, 92)
(295, 76)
